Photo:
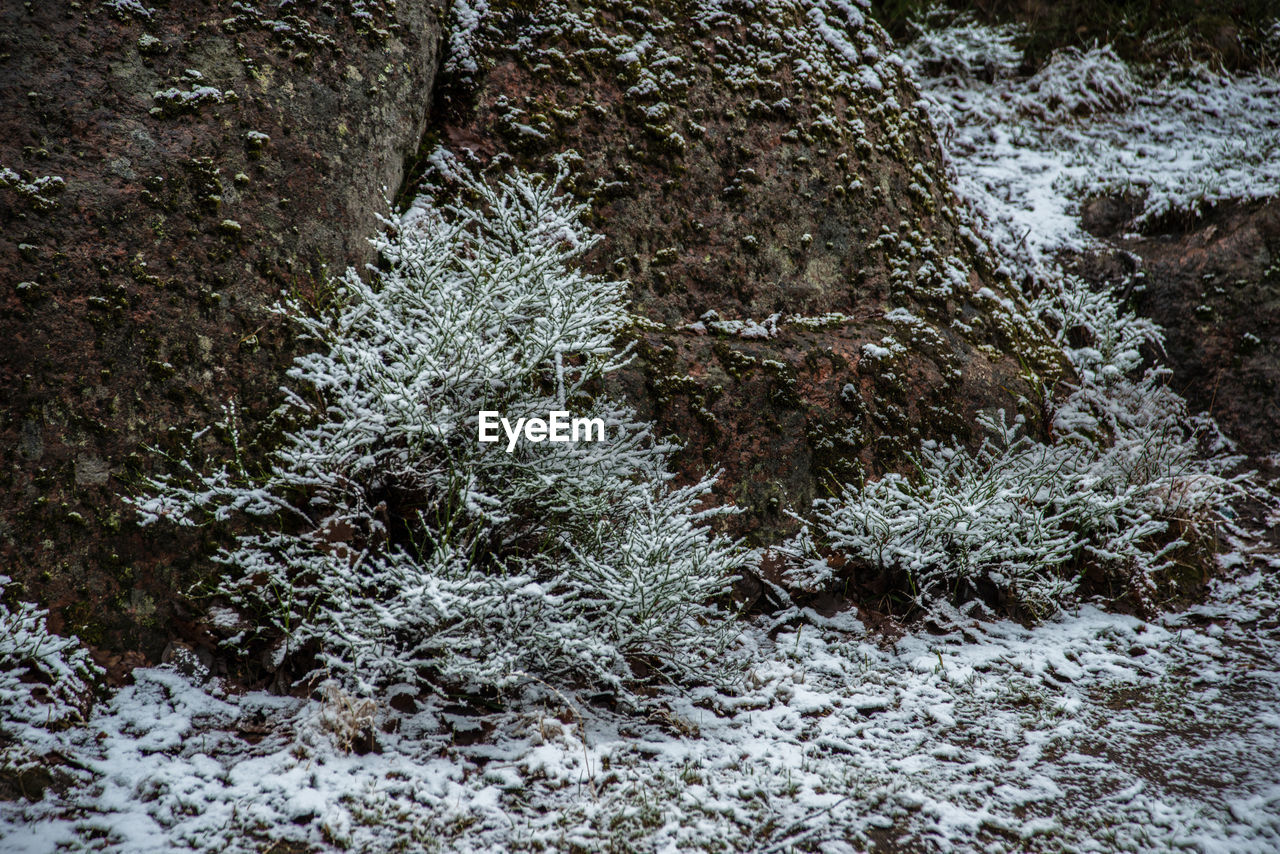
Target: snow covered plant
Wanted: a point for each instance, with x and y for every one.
(390, 544)
(964, 524)
(45, 679)
(1076, 83)
(965, 50)
(1128, 484)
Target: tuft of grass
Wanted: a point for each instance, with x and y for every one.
(1239, 36)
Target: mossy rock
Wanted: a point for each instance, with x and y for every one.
(724, 179)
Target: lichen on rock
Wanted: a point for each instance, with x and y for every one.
(758, 160)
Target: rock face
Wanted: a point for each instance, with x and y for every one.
(1215, 288)
(764, 175)
(769, 163)
(164, 174)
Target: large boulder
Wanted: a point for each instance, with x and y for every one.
(767, 178)
(164, 173)
(1213, 283)
(764, 174)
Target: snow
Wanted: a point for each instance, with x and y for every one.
(748, 329)
(1027, 151)
(39, 191)
(466, 18)
(1091, 731)
(771, 326)
(45, 679)
(129, 8)
(174, 100)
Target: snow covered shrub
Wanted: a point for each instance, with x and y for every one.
(1102, 340)
(1019, 520)
(389, 543)
(1075, 83)
(1128, 483)
(964, 523)
(45, 679)
(1166, 469)
(965, 50)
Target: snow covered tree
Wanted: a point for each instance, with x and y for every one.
(392, 545)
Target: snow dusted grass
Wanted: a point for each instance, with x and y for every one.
(1090, 732)
(1028, 151)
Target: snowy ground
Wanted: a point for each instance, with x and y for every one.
(1028, 151)
(1091, 732)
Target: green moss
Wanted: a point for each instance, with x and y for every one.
(83, 622)
(736, 364)
(28, 292)
(835, 445)
(784, 393)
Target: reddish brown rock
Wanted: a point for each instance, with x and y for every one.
(195, 161)
(1214, 285)
(730, 170)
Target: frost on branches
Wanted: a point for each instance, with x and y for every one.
(45, 680)
(47, 684)
(1129, 484)
(390, 544)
